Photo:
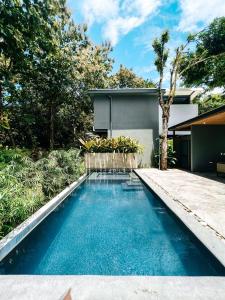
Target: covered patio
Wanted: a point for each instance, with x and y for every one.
(206, 146)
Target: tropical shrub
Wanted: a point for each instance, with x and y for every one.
(112, 145)
(9, 154)
(25, 185)
(171, 156)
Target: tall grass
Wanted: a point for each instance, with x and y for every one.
(26, 185)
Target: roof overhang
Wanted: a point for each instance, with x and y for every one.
(185, 92)
(124, 91)
(181, 92)
(213, 117)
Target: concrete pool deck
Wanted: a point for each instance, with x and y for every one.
(111, 288)
(199, 201)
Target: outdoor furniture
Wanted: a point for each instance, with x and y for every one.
(220, 168)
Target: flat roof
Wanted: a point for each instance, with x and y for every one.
(181, 92)
(213, 117)
(124, 91)
(184, 92)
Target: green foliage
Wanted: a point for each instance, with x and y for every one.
(59, 169)
(210, 73)
(210, 102)
(171, 156)
(47, 65)
(205, 65)
(160, 51)
(9, 154)
(126, 78)
(27, 26)
(26, 185)
(27, 32)
(118, 145)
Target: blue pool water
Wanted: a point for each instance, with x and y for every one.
(108, 227)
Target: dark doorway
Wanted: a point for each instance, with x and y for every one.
(182, 146)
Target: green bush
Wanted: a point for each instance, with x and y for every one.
(26, 185)
(9, 154)
(113, 145)
(171, 156)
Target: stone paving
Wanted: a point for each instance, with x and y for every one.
(204, 196)
(198, 200)
(111, 288)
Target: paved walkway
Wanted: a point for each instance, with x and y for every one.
(200, 197)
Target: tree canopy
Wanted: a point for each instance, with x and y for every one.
(27, 32)
(210, 73)
(200, 66)
(126, 78)
(209, 102)
(47, 66)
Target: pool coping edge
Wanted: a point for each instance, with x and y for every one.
(207, 235)
(14, 237)
(82, 287)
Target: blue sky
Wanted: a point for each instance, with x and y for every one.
(131, 26)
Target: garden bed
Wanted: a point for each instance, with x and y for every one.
(114, 153)
(104, 161)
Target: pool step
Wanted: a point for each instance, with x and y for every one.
(132, 185)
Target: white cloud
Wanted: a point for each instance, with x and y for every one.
(142, 7)
(98, 11)
(197, 13)
(120, 26)
(145, 69)
(118, 17)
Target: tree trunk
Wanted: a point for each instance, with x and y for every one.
(74, 133)
(11, 138)
(164, 145)
(51, 131)
(1, 104)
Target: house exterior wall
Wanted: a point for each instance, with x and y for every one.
(101, 112)
(179, 113)
(134, 112)
(135, 116)
(139, 117)
(145, 138)
(207, 142)
(128, 112)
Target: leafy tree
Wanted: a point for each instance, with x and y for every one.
(180, 65)
(75, 114)
(126, 78)
(26, 28)
(51, 107)
(210, 102)
(51, 80)
(159, 46)
(208, 73)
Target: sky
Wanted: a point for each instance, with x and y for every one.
(131, 26)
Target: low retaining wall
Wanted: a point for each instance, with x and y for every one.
(104, 161)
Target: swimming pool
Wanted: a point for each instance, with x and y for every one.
(111, 225)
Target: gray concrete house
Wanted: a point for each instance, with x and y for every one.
(182, 108)
(207, 141)
(136, 113)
